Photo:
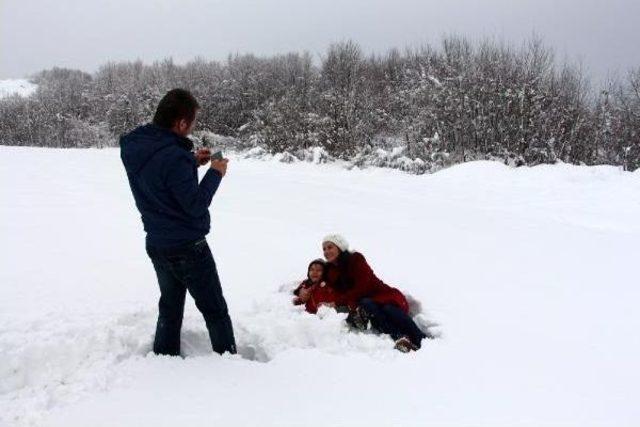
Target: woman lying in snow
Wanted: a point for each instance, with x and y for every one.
(348, 281)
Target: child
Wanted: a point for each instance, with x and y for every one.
(313, 292)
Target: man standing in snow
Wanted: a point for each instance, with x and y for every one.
(162, 173)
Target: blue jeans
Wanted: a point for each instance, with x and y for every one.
(189, 267)
(390, 319)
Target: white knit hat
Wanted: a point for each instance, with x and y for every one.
(337, 240)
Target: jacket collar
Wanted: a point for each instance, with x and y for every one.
(182, 141)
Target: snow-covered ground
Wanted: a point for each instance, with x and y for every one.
(20, 87)
(531, 272)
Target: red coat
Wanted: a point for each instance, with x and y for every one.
(365, 285)
(320, 293)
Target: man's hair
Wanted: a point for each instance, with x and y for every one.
(176, 105)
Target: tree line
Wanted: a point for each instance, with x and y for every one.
(452, 103)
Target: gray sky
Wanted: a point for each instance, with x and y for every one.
(36, 34)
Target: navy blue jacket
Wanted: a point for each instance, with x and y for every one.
(163, 176)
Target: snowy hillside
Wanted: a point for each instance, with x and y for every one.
(20, 87)
(530, 272)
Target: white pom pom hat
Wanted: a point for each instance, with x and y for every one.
(337, 240)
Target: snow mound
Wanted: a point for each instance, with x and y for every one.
(53, 363)
(46, 363)
(274, 325)
(20, 87)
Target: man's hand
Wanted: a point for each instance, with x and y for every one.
(203, 155)
(220, 165)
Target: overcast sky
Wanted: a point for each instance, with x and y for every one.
(36, 34)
